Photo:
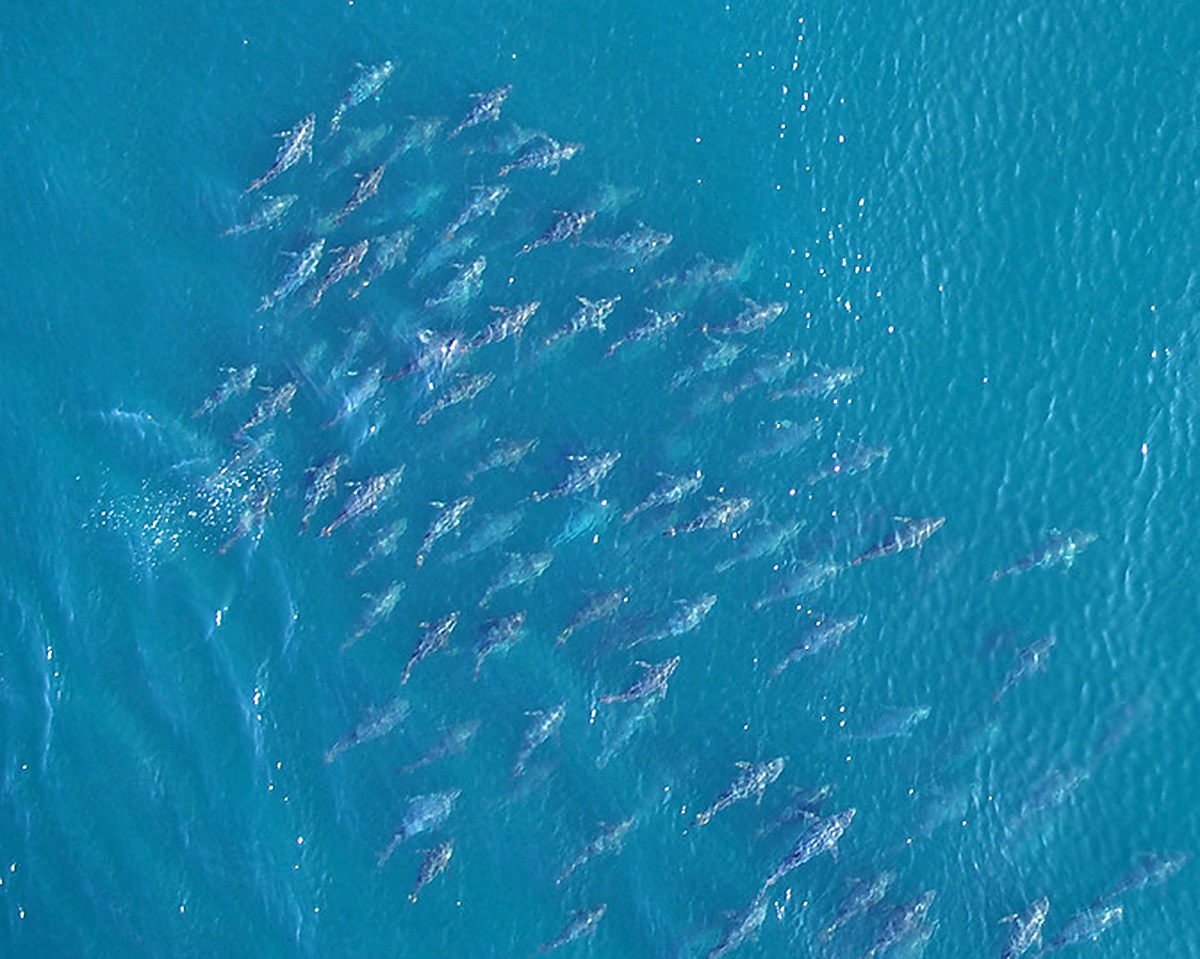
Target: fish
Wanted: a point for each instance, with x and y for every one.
(652, 682)
(464, 287)
(453, 742)
(493, 530)
(320, 483)
(365, 389)
(637, 246)
(367, 84)
(820, 383)
(824, 634)
(267, 215)
(341, 268)
(485, 109)
(387, 252)
(498, 634)
(755, 317)
(568, 226)
(768, 370)
(1030, 659)
(688, 616)
(609, 838)
(1088, 924)
(1150, 869)
(375, 725)
(366, 498)
(1059, 549)
(803, 806)
(820, 837)
(464, 389)
(598, 606)
(1026, 929)
(544, 724)
(742, 926)
(911, 534)
(521, 569)
(485, 202)
(586, 473)
(857, 459)
(719, 357)
(670, 490)
(367, 187)
(383, 546)
(767, 542)
(424, 814)
(361, 143)
(655, 325)
(719, 512)
(381, 608)
(421, 134)
(590, 316)
(752, 781)
(300, 273)
(862, 896)
(903, 923)
(436, 636)
(801, 579)
(703, 273)
(253, 518)
(445, 522)
(549, 154)
(236, 383)
(433, 865)
(784, 436)
(277, 401)
(582, 923)
(589, 517)
(898, 721)
(297, 145)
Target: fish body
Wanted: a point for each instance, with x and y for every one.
(903, 924)
(521, 569)
(825, 634)
(863, 896)
(857, 459)
(236, 383)
(1030, 659)
(545, 723)
(912, 533)
(446, 521)
(485, 109)
(277, 401)
(582, 923)
(511, 321)
(900, 721)
(387, 252)
(753, 318)
(719, 357)
(568, 226)
(742, 926)
(485, 202)
(590, 316)
(421, 134)
(425, 813)
(720, 512)
(504, 453)
(656, 325)
(767, 542)
(256, 508)
(341, 268)
(1026, 929)
(1059, 549)
(266, 216)
(598, 606)
(752, 781)
(498, 634)
(300, 273)
(638, 246)
(769, 370)
(376, 725)
(433, 865)
(380, 609)
(462, 390)
(1150, 869)
(366, 498)
(361, 143)
(367, 84)
(820, 837)
(703, 273)
(320, 483)
(820, 383)
(671, 490)
(652, 682)
(784, 436)
(436, 636)
(367, 187)
(686, 618)
(364, 389)
(464, 287)
(297, 145)
(801, 580)
(549, 154)
(493, 530)
(608, 839)
(586, 473)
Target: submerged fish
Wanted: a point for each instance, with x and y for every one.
(424, 814)
(752, 781)
(375, 725)
(433, 865)
(368, 83)
(297, 145)
(609, 838)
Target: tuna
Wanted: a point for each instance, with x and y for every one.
(549, 154)
(590, 316)
(266, 216)
(863, 896)
(320, 483)
(497, 635)
(379, 611)
(824, 634)
(1089, 924)
(544, 724)
(237, 382)
(719, 512)
(1030, 659)
(911, 534)
(752, 319)
(485, 109)
(586, 473)
(425, 813)
(387, 252)
(301, 272)
(1026, 929)
(752, 781)
(904, 923)
(656, 325)
(598, 606)
(464, 389)
(383, 546)
(504, 453)
(821, 837)
(671, 490)
(608, 839)
(652, 682)
(297, 145)
(1059, 549)
(582, 923)
(367, 84)
(368, 186)
(446, 521)
(520, 570)
(742, 926)
(436, 636)
(453, 742)
(277, 401)
(341, 268)
(366, 498)
(568, 226)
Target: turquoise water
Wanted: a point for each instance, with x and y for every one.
(989, 212)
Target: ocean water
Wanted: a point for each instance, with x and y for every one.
(985, 215)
